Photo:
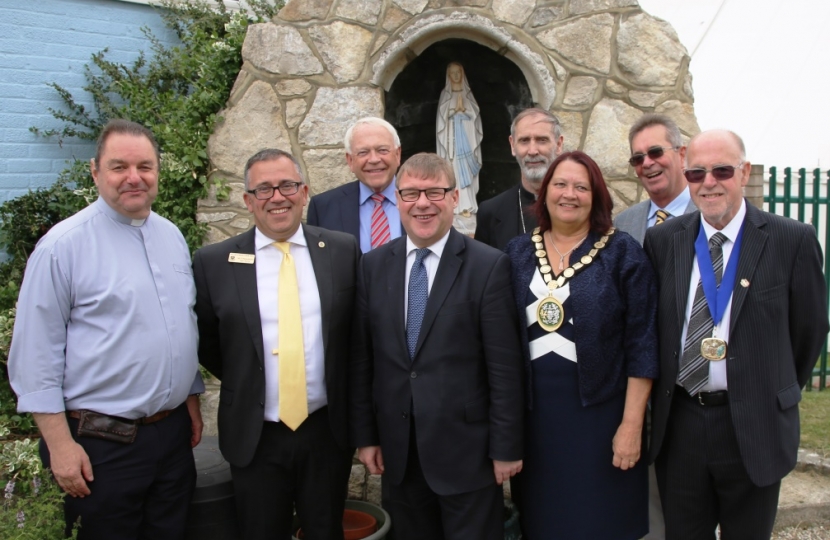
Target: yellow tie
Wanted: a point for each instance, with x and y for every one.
(662, 216)
(293, 395)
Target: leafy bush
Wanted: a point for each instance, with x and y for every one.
(31, 507)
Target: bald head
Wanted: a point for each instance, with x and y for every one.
(718, 200)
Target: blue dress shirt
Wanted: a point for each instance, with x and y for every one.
(105, 318)
(675, 208)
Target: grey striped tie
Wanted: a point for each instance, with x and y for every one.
(694, 369)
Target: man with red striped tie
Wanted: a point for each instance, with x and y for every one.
(366, 207)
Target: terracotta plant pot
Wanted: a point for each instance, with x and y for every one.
(362, 521)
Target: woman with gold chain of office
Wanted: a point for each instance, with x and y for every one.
(587, 300)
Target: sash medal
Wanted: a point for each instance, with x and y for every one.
(717, 298)
(550, 314)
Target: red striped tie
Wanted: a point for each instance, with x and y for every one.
(380, 225)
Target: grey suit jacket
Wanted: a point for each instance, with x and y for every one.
(776, 329)
(634, 220)
(230, 332)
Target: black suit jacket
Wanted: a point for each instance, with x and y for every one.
(464, 385)
(498, 220)
(337, 209)
(777, 327)
(230, 332)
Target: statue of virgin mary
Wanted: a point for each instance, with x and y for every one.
(458, 134)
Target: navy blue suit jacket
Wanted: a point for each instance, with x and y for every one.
(337, 209)
(614, 311)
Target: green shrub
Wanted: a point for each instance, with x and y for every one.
(31, 506)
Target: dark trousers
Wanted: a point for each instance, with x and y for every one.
(305, 469)
(418, 513)
(141, 490)
(702, 479)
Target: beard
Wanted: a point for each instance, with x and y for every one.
(534, 169)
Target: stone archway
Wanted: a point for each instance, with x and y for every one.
(501, 92)
(321, 64)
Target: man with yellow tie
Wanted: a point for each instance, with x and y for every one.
(274, 308)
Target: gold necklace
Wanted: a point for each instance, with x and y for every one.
(551, 313)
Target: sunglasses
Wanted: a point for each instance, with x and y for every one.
(655, 152)
(720, 173)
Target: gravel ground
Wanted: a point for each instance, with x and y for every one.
(796, 533)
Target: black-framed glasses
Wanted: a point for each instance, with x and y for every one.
(719, 173)
(433, 193)
(265, 192)
(655, 152)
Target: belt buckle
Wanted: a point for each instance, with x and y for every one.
(700, 398)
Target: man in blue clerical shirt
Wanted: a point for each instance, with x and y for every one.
(364, 208)
(104, 352)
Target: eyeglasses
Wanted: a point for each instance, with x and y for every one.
(655, 152)
(263, 193)
(720, 173)
(433, 194)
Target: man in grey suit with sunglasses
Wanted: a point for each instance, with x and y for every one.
(657, 153)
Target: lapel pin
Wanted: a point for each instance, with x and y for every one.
(744, 283)
(322, 244)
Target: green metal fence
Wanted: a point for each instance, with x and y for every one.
(808, 196)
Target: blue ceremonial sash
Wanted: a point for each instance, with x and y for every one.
(468, 166)
(717, 297)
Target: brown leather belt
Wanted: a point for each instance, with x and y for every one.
(161, 415)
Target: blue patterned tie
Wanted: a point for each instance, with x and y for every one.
(694, 369)
(417, 302)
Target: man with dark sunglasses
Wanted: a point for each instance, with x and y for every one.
(742, 316)
(657, 153)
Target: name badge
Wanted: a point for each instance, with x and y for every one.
(243, 258)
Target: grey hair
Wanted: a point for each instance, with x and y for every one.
(548, 117)
(271, 154)
(654, 119)
(126, 127)
(370, 121)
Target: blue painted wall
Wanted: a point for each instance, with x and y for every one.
(43, 41)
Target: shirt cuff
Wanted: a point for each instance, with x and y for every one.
(44, 401)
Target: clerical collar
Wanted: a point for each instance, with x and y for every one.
(528, 197)
(114, 215)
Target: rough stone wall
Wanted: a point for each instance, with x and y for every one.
(321, 64)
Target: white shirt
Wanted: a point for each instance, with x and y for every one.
(268, 261)
(431, 262)
(717, 369)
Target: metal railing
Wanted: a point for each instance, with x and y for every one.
(805, 195)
